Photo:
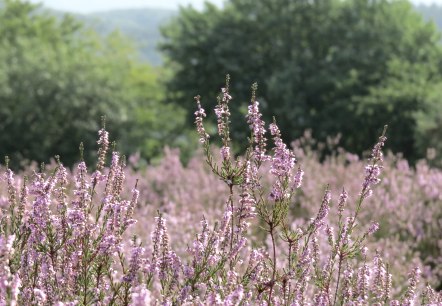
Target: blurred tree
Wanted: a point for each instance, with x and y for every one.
(334, 66)
(154, 124)
(58, 78)
(428, 133)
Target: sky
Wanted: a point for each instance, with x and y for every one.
(89, 6)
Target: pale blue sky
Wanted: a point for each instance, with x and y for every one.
(88, 6)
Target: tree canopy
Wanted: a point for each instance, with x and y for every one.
(333, 66)
(57, 78)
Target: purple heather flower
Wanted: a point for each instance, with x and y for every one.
(322, 299)
(40, 295)
(378, 277)
(226, 96)
(197, 250)
(184, 294)
(222, 112)
(200, 114)
(223, 231)
(188, 271)
(362, 283)
(413, 280)
(250, 177)
(373, 170)
(103, 141)
(107, 245)
(256, 256)
(214, 299)
(130, 208)
(283, 159)
(376, 154)
(74, 303)
(82, 187)
(247, 202)
(136, 261)
(175, 264)
(374, 226)
(298, 178)
(119, 178)
(323, 210)
(166, 259)
(330, 235)
(246, 210)
(15, 286)
(235, 297)
(239, 245)
(258, 129)
(315, 249)
(9, 177)
(364, 251)
(387, 288)
(305, 258)
(277, 192)
(282, 165)
(347, 288)
(156, 240)
(372, 173)
(140, 296)
(343, 197)
(225, 153)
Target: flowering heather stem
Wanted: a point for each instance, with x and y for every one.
(371, 178)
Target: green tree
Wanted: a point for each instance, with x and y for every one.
(330, 65)
(57, 78)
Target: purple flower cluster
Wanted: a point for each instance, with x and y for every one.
(257, 126)
(200, 114)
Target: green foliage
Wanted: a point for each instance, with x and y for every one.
(334, 66)
(154, 124)
(57, 78)
(428, 133)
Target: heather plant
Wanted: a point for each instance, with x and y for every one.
(63, 245)
(67, 238)
(407, 204)
(406, 238)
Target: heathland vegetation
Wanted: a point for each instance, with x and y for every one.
(149, 217)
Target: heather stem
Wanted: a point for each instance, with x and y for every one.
(232, 222)
(339, 277)
(290, 254)
(272, 282)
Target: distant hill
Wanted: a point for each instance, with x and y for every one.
(140, 25)
(431, 12)
(143, 25)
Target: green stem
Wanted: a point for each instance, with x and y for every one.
(339, 276)
(274, 264)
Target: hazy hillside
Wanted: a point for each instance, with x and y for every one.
(431, 12)
(141, 25)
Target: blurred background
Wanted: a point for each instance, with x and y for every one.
(335, 67)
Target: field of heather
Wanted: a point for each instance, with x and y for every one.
(277, 225)
(326, 192)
